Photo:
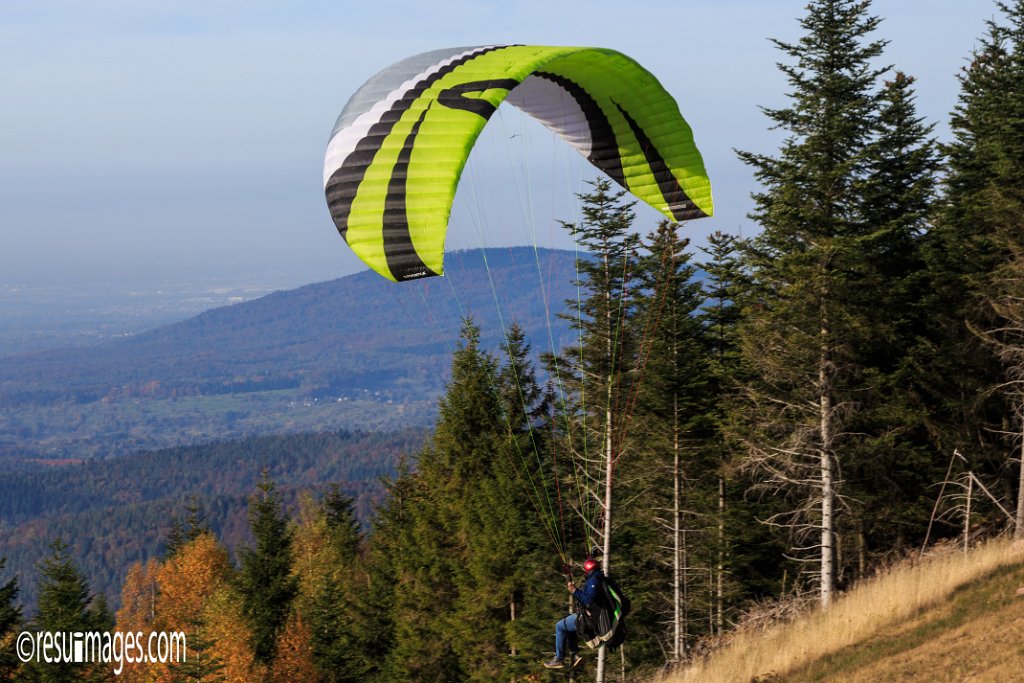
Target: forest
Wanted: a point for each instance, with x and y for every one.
(818, 405)
(115, 512)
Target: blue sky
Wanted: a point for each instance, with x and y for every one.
(143, 140)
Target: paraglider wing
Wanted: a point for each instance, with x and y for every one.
(399, 146)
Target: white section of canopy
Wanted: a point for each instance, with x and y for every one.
(553, 106)
(345, 140)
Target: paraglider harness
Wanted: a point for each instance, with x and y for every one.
(603, 620)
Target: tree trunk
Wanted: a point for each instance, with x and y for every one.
(677, 605)
(720, 588)
(862, 560)
(967, 512)
(827, 522)
(1018, 525)
(827, 577)
(512, 617)
(572, 610)
(607, 547)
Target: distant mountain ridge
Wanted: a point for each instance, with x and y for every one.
(362, 352)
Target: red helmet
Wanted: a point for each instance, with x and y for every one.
(590, 565)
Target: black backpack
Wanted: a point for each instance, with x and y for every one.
(604, 621)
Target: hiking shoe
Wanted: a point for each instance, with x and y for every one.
(574, 660)
(555, 664)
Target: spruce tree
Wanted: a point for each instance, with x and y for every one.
(720, 317)
(202, 665)
(10, 620)
(520, 525)
(747, 554)
(184, 532)
(434, 539)
(464, 542)
(598, 371)
(265, 580)
(380, 601)
(671, 470)
(977, 248)
(891, 468)
(721, 312)
(456, 469)
(804, 326)
(64, 607)
(342, 526)
(596, 375)
(332, 603)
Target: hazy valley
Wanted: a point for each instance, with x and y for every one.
(358, 352)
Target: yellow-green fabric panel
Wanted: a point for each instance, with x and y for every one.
(611, 77)
(443, 143)
(402, 203)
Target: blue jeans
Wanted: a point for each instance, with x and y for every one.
(565, 634)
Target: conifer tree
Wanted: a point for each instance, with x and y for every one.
(379, 603)
(340, 519)
(720, 317)
(434, 538)
(747, 555)
(891, 468)
(671, 471)
(202, 665)
(461, 540)
(10, 620)
(802, 332)
(265, 578)
(330, 574)
(183, 532)
(518, 525)
(64, 607)
(100, 615)
(721, 312)
(598, 372)
(978, 242)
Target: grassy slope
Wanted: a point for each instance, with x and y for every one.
(950, 618)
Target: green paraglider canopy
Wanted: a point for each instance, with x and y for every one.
(399, 146)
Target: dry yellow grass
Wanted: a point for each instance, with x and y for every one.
(883, 609)
(978, 636)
